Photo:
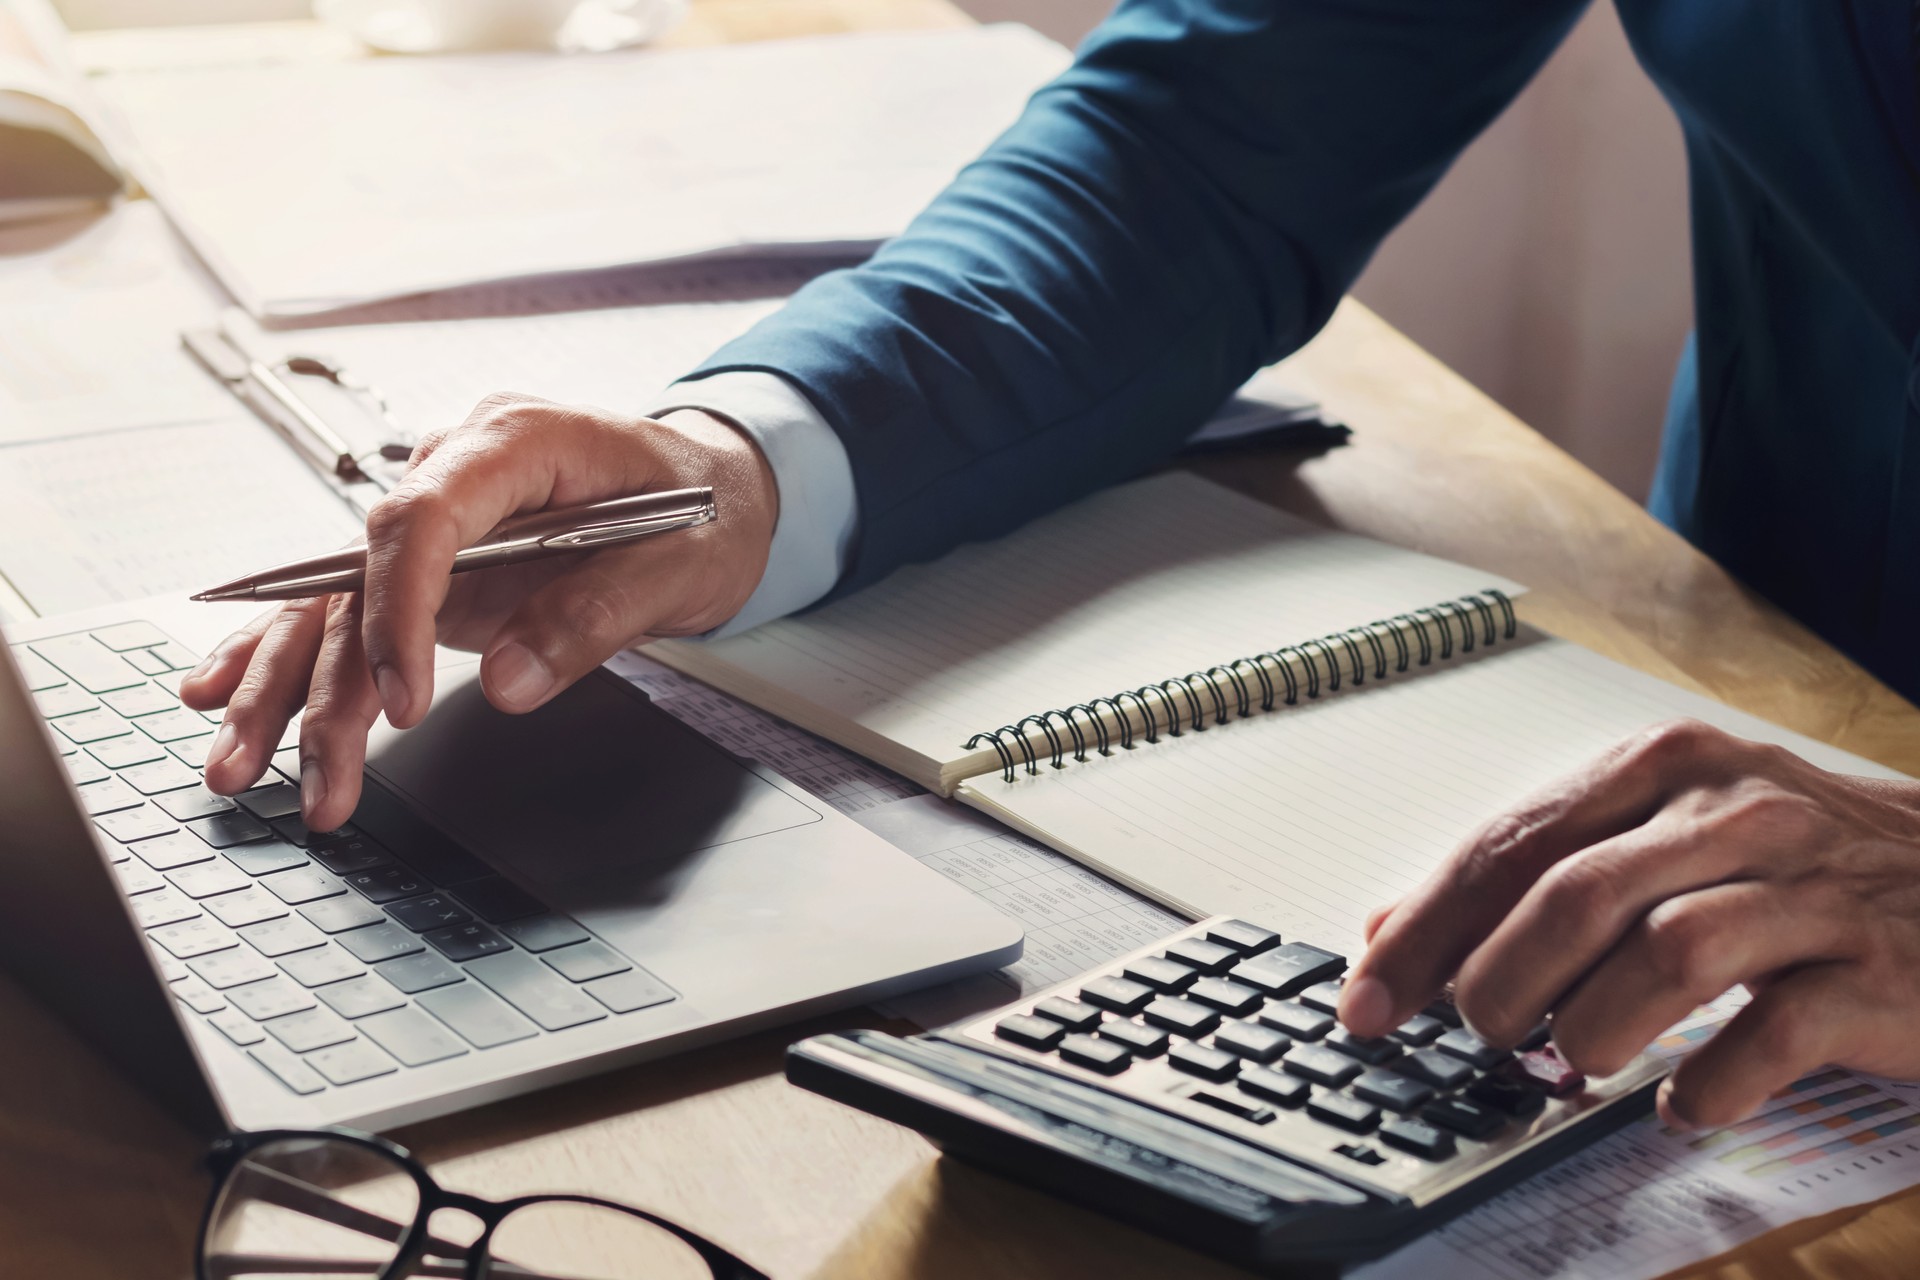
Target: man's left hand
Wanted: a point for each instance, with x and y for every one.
(1683, 862)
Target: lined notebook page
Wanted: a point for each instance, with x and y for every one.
(1307, 818)
(1141, 583)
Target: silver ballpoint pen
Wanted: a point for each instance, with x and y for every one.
(516, 541)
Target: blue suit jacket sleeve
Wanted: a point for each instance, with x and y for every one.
(1187, 202)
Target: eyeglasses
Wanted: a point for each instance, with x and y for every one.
(312, 1203)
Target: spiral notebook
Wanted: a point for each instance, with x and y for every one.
(1221, 706)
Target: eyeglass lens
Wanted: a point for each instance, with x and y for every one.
(314, 1208)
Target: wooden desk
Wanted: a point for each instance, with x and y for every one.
(95, 1182)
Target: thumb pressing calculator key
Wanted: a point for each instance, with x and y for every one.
(1202, 1088)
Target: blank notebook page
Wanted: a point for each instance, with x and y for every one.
(1141, 583)
(1309, 817)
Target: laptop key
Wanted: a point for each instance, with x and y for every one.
(123, 636)
(205, 879)
(309, 1030)
(224, 830)
(195, 803)
(40, 673)
(137, 878)
(479, 1017)
(470, 941)
(626, 992)
(350, 1063)
(108, 796)
(64, 700)
(192, 751)
(124, 753)
(141, 700)
(383, 941)
(88, 663)
(287, 1069)
(320, 966)
(411, 1036)
(389, 883)
(435, 911)
(177, 655)
(265, 857)
(497, 900)
(535, 990)
(176, 725)
(418, 973)
(337, 915)
(273, 998)
(359, 997)
(544, 933)
(197, 995)
(178, 849)
(83, 768)
(233, 967)
(165, 774)
(237, 1027)
(144, 661)
(275, 800)
(282, 937)
(163, 907)
(185, 939)
(302, 884)
(347, 856)
(247, 906)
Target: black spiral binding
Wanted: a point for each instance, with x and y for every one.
(1172, 706)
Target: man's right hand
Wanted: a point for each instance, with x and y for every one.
(540, 626)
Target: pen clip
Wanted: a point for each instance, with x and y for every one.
(601, 535)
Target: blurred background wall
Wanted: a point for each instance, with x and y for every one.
(1550, 267)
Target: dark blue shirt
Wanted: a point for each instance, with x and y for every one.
(1191, 199)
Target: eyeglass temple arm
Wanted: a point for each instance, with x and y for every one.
(239, 1266)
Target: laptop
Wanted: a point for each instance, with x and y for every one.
(519, 900)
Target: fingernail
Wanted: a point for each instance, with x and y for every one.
(313, 786)
(226, 740)
(393, 691)
(519, 676)
(1366, 1006)
(1670, 1114)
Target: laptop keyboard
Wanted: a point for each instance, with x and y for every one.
(328, 957)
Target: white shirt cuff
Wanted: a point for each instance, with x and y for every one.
(818, 514)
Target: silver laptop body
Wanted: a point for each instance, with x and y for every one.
(520, 900)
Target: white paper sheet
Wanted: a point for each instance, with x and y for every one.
(316, 185)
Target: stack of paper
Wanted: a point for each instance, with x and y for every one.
(314, 186)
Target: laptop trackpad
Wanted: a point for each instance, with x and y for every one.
(597, 798)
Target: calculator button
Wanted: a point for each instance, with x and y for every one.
(1360, 1151)
(1391, 1090)
(1143, 1042)
(1095, 1054)
(1227, 996)
(1247, 939)
(1444, 1010)
(1287, 970)
(1251, 1041)
(1121, 995)
(1418, 1139)
(1324, 996)
(1252, 1112)
(1434, 1067)
(1350, 1114)
(1373, 1052)
(1183, 1016)
(1540, 1034)
(1468, 1119)
(1468, 1047)
(1288, 1091)
(1545, 1070)
(1297, 1020)
(1161, 974)
(1198, 1060)
(1419, 1030)
(1029, 1032)
(1320, 1065)
(1517, 1100)
(1070, 1014)
(1207, 957)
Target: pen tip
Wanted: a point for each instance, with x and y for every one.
(201, 596)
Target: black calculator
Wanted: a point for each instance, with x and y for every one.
(1202, 1089)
